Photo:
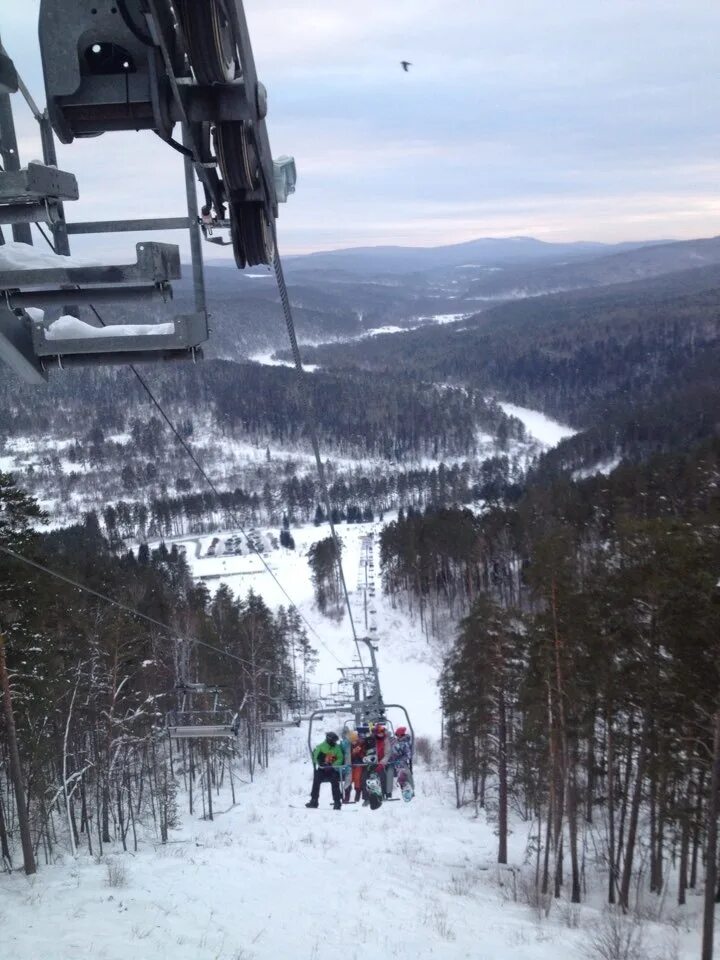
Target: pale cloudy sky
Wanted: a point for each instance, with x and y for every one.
(561, 119)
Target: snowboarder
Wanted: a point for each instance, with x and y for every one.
(405, 64)
(328, 759)
(371, 774)
(384, 744)
(402, 753)
(357, 752)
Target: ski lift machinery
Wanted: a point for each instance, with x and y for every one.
(143, 65)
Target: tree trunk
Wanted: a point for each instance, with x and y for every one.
(546, 858)
(612, 872)
(15, 767)
(502, 779)
(4, 846)
(633, 822)
(697, 831)
(209, 785)
(661, 817)
(561, 746)
(590, 771)
(711, 848)
(685, 841)
(573, 823)
(625, 795)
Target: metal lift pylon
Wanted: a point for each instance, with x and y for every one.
(366, 705)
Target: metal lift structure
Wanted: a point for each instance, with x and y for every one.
(143, 65)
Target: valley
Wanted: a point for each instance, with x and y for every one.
(524, 490)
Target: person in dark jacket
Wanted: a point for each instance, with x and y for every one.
(329, 760)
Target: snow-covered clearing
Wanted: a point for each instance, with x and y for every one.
(546, 431)
(604, 466)
(269, 359)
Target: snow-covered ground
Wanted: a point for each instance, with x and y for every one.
(604, 466)
(547, 432)
(269, 359)
(269, 880)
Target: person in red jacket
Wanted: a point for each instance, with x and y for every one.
(383, 741)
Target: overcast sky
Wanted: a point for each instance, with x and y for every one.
(560, 119)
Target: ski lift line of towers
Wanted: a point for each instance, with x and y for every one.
(358, 694)
(133, 66)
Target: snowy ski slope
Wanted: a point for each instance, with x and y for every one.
(270, 880)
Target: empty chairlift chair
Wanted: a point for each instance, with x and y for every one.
(190, 722)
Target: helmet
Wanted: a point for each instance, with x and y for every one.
(331, 737)
(400, 731)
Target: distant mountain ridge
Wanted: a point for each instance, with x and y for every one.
(483, 252)
(641, 263)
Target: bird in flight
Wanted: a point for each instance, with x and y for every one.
(405, 64)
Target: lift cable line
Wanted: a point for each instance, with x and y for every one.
(203, 473)
(305, 394)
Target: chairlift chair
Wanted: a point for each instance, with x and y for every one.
(188, 723)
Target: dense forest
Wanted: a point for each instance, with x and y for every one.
(92, 683)
(634, 367)
(360, 415)
(581, 688)
(95, 437)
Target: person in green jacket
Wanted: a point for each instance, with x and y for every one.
(328, 759)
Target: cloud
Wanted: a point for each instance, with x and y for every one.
(580, 120)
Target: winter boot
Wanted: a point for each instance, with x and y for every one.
(358, 794)
(407, 793)
(346, 798)
(337, 806)
(312, 805)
